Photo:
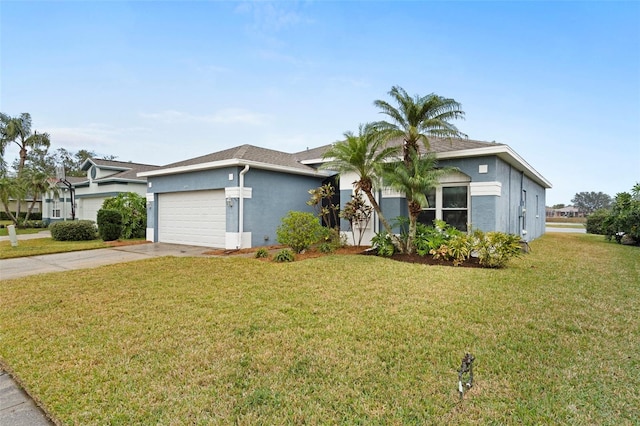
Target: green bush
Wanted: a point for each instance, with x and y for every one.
(133, 208)
(495, 249)
(77, 230)
(284, 255)
(382, 244)
(431, 238)
(34, 224)
(262, 253)
(299, 230)
(109, 224)
(596, 222)
(624, 221)
(457, 249)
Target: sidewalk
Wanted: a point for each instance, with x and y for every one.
(16, 407)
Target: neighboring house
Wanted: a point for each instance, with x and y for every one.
(236, 198)
(568, 211)
(105, 179)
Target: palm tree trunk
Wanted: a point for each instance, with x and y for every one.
(396, 241)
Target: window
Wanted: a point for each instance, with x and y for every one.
(449, 203)
(55, 210)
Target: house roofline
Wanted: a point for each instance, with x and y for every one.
(234, 162)
(505, 153)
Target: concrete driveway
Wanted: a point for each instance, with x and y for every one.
(24, 266)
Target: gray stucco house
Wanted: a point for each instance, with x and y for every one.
(236, 198)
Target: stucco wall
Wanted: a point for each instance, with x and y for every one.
(273, 196)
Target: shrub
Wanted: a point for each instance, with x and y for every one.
(77, 230)
(495, 249)
(262, 253)
(431, 238)
(284, 255)
(383, 244)
(35, 224)
(458, 249)
(299, 230)
(133, 208)
(109, 224)
(596, 222)
(624, 220)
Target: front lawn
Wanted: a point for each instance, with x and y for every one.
(40, 246)
(344, 339)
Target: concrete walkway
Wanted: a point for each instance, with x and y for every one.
(16, 407)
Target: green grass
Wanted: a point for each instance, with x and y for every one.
(565, 225)
(4, 231)
(333, 340)
(39, 246)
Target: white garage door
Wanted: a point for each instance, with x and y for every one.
(192, 218)
(88, 208)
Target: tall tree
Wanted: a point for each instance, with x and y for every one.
(18, 130)
(363, 154)
(415, 182)
(416, 119)
(588, 202)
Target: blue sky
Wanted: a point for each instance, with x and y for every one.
(159, 82)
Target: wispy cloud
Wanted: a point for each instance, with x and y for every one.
(223, 116)
(271, 16)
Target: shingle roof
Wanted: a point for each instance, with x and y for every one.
(128, 170)
(248, 153)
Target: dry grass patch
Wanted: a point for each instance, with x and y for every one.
(336, 339)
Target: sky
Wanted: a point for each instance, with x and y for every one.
(157, 82)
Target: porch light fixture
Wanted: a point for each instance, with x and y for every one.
(229, 201)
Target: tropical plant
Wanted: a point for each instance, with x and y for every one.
(262, 253)
(18, 131)
(9, 189)
(299, 230)
(358, 213)
(321, 199)
(133, 208)
(363, 154)
(414, 180)
(383, 245)
(495, 249)
(418, 118)
(284, 255)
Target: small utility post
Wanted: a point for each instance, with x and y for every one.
(12, 235)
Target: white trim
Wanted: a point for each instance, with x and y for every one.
(231, 240)
(388, 192)
(150, 197)
(505, 153)
(151, 234)
(234, 192)
(478, 189)
(234, 162)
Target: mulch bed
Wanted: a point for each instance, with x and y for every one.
(363, 250)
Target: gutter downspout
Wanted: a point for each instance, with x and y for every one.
(241, 206)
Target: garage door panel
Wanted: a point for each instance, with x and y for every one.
(193, 218)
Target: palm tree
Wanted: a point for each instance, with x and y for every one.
(36, 182)
(9, 189)
(18, 130)
(414, 182)
(418, 118)
(363, 155)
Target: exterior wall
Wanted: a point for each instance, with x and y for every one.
(93, 191)
(495, 199)
(273, 196)
(268, 197)
(511, 218)
(63, 200)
